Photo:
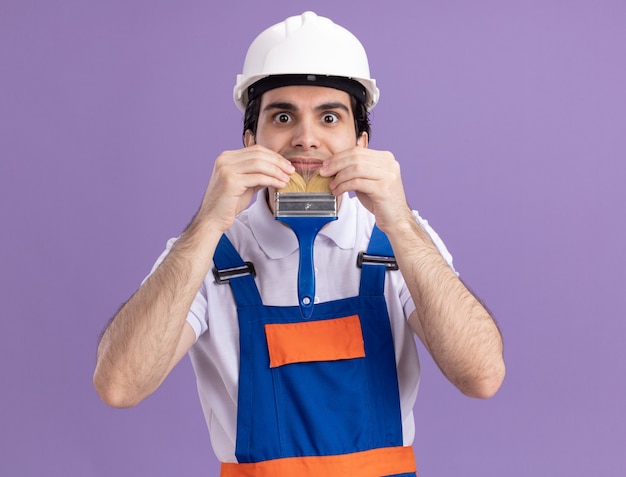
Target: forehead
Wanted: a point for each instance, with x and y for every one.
(306, 96)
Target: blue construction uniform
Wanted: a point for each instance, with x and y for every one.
(311, 410)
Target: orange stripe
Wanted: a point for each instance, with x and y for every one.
(324, 340)
(372, 463)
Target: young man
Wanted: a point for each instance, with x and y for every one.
(284, 394)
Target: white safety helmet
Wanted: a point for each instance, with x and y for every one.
(306, 49)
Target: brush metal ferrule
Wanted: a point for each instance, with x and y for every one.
(305, 204)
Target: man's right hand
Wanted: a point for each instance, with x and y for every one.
(237, 176)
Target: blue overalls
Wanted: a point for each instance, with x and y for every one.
(317, 397)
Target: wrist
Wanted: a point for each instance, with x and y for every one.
(200, 233)
(401, 222)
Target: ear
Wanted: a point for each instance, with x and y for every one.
(248, 138)
(363, 140)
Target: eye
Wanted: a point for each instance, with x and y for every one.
(330, 118)
(282, 118)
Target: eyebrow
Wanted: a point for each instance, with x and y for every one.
(284, 105)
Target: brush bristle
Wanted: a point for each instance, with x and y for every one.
(296, 184)
(316, 183)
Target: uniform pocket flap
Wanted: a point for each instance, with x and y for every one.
(324, 340)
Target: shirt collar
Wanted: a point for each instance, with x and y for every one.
(278, 241)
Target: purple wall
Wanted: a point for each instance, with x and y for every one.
(509, 119)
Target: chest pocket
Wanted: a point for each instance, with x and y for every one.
(324, 340)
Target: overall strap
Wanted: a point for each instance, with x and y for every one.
(374, 263)
(231, 269)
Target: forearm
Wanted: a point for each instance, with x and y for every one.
(451, 322)
(137, 349)
(148, 335)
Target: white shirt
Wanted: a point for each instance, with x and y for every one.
(273, 249)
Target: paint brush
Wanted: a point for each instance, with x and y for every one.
(305, 210)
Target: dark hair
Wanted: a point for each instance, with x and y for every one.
(359, 111)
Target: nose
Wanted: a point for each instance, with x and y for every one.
(305, 135)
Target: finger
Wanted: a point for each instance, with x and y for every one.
(335, 163)
(355, 155)
(368, 187)
(259, 181)
(260, 161)
(272, 157)
(358, 170)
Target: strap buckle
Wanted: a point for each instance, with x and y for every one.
(224, 275)
(389, 262)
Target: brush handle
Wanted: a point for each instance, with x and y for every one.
(306, 229)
